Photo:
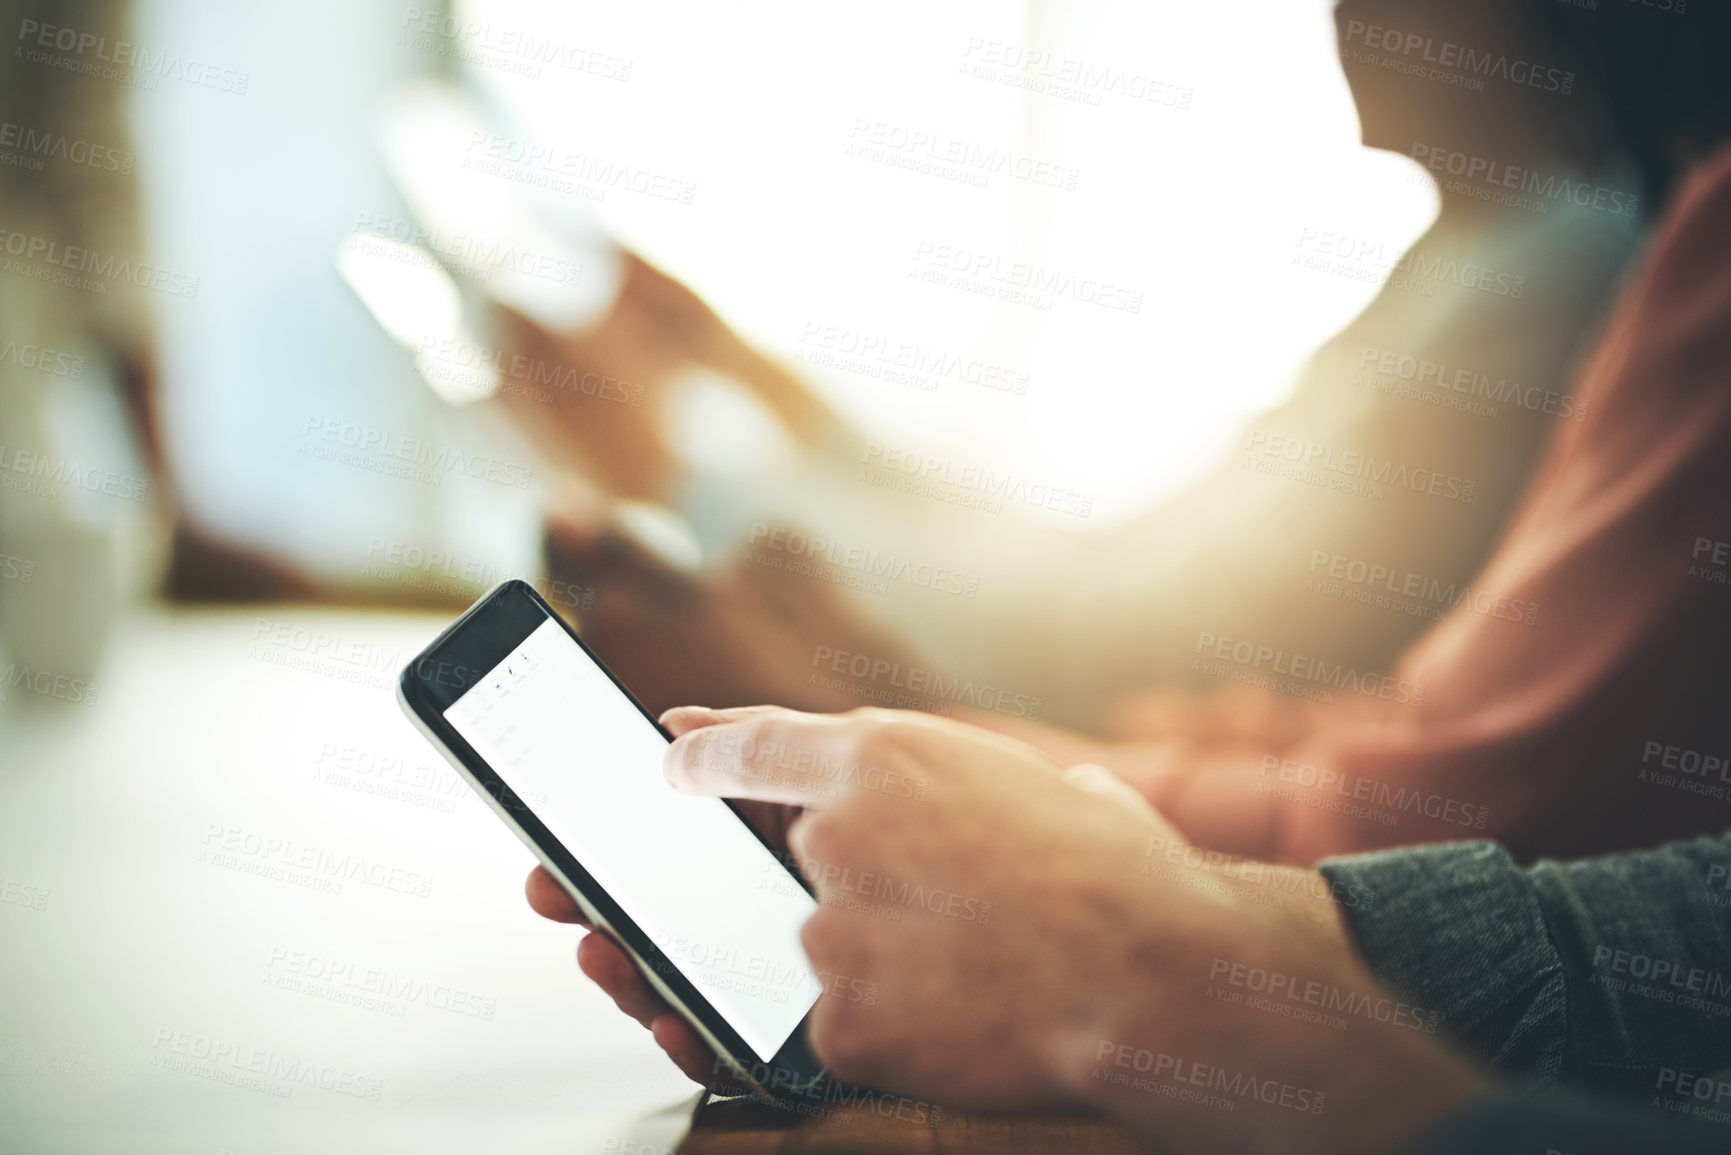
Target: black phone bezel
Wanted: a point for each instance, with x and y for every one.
(462, 654)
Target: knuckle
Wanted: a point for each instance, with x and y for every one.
(695, 749)
(824, 1032)
(823, 936)
(833, 836)
(762, 728)
(881, 721)
(874, 726)
(767, 740)
(876, 731)
(810, 835)
(899, 743)
(839, 1038)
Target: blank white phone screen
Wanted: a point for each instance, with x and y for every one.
(687, 870)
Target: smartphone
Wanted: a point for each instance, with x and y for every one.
(571, 762)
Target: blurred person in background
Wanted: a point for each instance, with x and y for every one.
(1077, 621)
(89, 512)
(1096, 617)
(1076, 625)
(1488, 729)
(1602, 723)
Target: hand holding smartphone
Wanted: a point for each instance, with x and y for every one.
(571, 762)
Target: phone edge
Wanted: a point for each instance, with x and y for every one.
(735, 1067)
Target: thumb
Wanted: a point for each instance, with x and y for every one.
(1096, 779)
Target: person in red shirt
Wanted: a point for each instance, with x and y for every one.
(1601, 720)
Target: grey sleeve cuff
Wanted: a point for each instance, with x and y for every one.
(1458, 930)
(1515, 1123)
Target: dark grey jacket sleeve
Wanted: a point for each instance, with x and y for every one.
(1611, 974)
(1522, 1123)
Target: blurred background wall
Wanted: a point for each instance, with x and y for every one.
(787, 234)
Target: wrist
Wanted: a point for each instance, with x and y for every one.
(1166, 1034)
(1387, 1082)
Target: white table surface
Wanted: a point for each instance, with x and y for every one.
(145, 956)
